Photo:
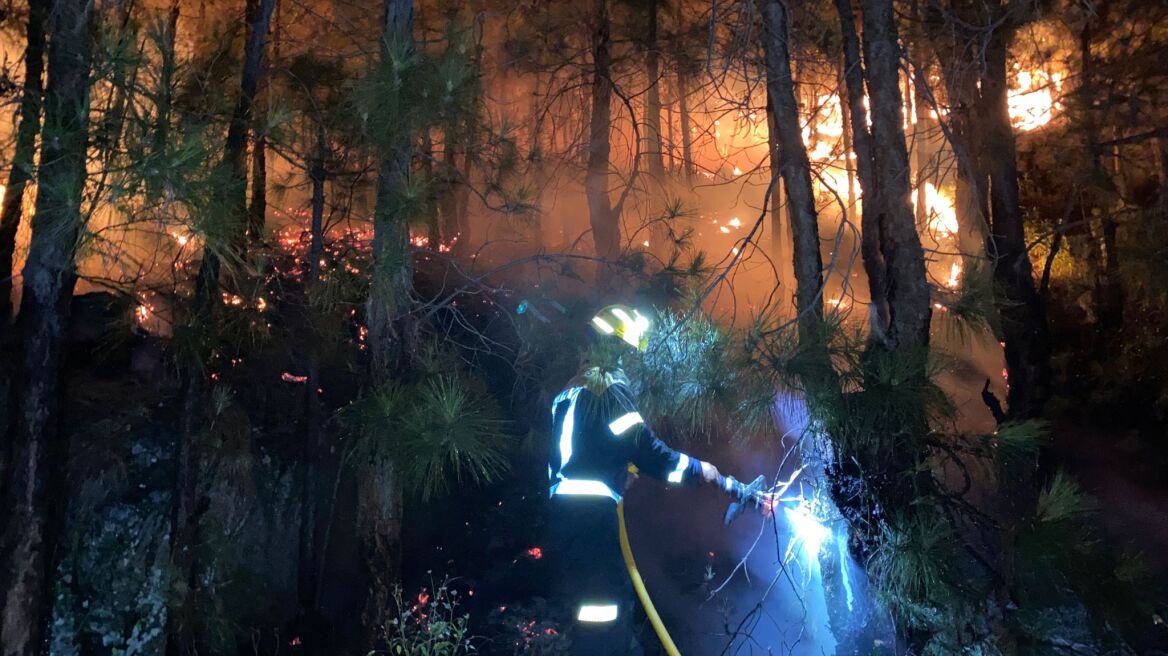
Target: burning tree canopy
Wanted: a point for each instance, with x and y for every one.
(287, 283)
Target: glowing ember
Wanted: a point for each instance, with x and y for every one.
(734, 223)
(293, 378)
(535, 552)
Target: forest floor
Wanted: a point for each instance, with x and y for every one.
(1126, 474)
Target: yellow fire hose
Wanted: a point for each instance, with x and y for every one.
(639, 585)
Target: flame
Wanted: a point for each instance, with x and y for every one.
(942, 213)
(954, 276)
(1033, 104)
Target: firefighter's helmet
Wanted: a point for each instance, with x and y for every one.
(624, 322)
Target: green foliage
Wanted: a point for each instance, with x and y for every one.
(1025, 438)
(971, 309)
(409, 90)
(913, 566)
(429, 624)
(695, 378)
(440, 428)
(1061, 501)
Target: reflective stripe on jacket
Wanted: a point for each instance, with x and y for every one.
(595, 437)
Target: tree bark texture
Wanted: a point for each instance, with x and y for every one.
(795, 169)
(187, 506)
(870, 225)
(1022, 312)
(379, 490)
(36, 486)
(906, 288)
(684, 125)
(605, 223)
(987, 187)
(235, 155)
(23, 152)
(653, 148)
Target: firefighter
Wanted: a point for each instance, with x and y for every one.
(597, 433)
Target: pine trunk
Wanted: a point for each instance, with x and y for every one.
(379, 492)
(870, 228)
(1023, 315)
(1108, 295)
(23, 153)
(36, 485)
(605, 224)
(653, 99)
(186, 505)
(235, 155)
(309, 556)
(795, 170)
(906, 289)
(684, 125)
(257, 210)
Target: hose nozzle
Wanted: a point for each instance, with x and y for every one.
(745, 495)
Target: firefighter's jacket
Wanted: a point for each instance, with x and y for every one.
(597, 432)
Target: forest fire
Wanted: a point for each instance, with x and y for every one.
(1035, 102)
(301, 298)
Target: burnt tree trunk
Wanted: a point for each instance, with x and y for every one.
(687, 167)
(1022, 312)
(906, 290)
(605, 222)
(23, 152)
(870, 229)
(235, 153)
(653, 98)
(379, 491)
(36, 483)
(257, 209)
(167, 67)
(781, 236)
(795, 170)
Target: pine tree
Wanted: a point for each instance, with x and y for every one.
(35, 486)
